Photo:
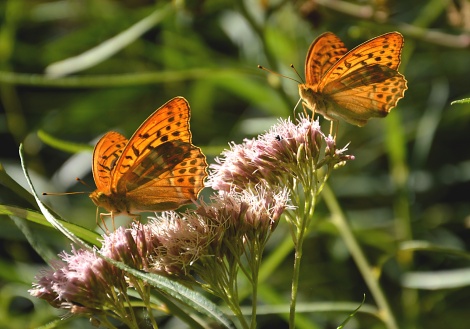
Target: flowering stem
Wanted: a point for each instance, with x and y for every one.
(127, 314)
(119, 309)
(220, 278)
(144, 292)
(231, 298)
(367, 272)
(304, 201)
(295, 283)
(106, 323)
(254, 280)
(233, 305)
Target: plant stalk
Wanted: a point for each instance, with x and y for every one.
(366, 270)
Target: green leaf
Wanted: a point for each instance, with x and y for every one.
(437, 280)
(461, 101)
(37, 217)
(62, 145)
(109, 47)
(16, 188)
(420, 245)
(189, 297)
(47, 214)
(353, 313)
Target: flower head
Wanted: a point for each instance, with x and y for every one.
(81, 281)
(182, 239)
(286, 150)
(133, 246)
(243, 216)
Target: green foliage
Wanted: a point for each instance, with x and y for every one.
(77, 69)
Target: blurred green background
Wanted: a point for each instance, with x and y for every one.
(72, 70)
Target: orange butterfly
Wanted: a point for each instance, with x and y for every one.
(157, 169)
(353, 85)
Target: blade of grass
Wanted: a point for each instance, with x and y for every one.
(109, 47)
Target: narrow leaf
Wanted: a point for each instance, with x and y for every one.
(47, 214)
(353, 313)
(108, 48)
(461, 101)
(36, 217)
(62, 145)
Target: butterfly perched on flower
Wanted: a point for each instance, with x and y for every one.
(157, 169)
(353, 85)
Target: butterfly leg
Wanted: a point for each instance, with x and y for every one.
(98, 222)
(334, 124)
(102, 219)
(306, 107)
(135, 217)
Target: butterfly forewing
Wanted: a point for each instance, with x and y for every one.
(105, 156)
(168, 123)
(382, 50)
(157, 164)
(178, 184)
(323, 53)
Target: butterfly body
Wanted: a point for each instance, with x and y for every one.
(157, 169)
(356, 85)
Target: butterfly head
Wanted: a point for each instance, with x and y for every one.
(306, 90)
(310, 97)
(114, 204)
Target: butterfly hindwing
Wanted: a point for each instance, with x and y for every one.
(157, 165)
(188, 174)
(370, 91)
(178, 182)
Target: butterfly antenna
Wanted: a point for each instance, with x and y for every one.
(70, 193)
(278, 74)
(63, 193)
(81, 181)
(297, 72)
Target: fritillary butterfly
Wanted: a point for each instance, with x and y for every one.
(157, 169)
(353, 85)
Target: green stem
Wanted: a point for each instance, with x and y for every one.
(366, 270)
(123, 306)
(256, 252)
(295, 282)
(106, 323)
(144, 291)
(254, 306)
(232, 303)
(221, 279)
(302, 223)
(117, 80)
(232, 296)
